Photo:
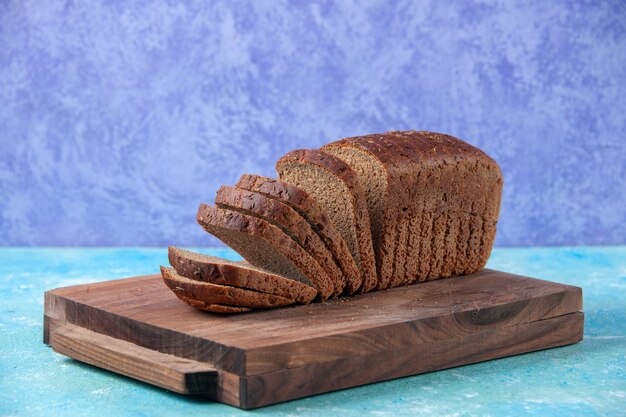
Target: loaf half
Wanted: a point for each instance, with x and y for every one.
(315, 215)
(433, 201)
(215, 270)
(338, 190)
(209, 293)
(265, 245)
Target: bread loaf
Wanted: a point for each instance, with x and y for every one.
(433, 199)
(362, 213)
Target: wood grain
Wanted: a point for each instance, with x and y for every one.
(269, 356)
(166, 371)
(350, 372)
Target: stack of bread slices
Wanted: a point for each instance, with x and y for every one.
(360, 214)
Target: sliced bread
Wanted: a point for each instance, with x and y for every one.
(220, 294)
(265, 245)
(288, 220)
(338, 190)
(213, 308)
(433, 199)
(315, 215)
(208, 268)
(378, 178)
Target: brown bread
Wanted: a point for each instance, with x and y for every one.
(265, 245)
(314, 213)
(448, 224)
(337, 188)
(213, 308)
(288, 220)
(220, 294)
(215, 270)
(362, 213)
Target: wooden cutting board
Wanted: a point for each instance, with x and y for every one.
(138, 328)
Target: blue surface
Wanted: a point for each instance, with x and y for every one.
(117, 118)
(586, 379)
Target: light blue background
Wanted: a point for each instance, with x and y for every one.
(586, 379)
(118, 118)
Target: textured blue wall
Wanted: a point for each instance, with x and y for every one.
(118, 118)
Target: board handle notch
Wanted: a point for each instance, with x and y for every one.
(181, 375)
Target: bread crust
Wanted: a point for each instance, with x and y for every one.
(213, 220)
(315, 215)
(344, 173)
(210, 269)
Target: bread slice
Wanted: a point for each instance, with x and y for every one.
(288, 220)
(265, 245)
(447, 226)
(337, 188)
(220, 294)
(213, 308)
(215, 270)
(377, 183)
(315, 215)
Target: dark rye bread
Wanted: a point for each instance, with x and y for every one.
(215, 270)
(288, 220)
(338, 190)
(208, 293)
(314, 214)
(213, 308)
(448, 224)
(265, 245)
(379, 179)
